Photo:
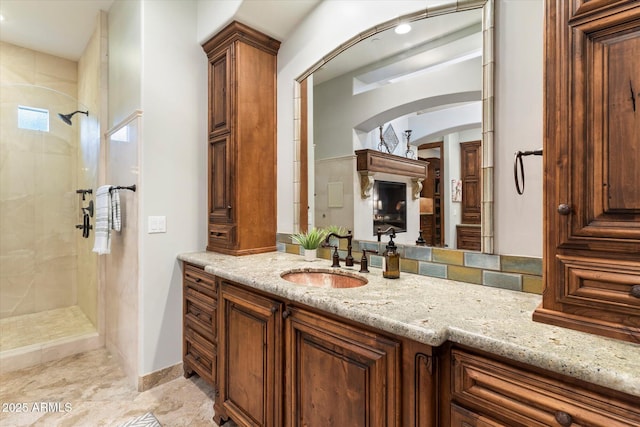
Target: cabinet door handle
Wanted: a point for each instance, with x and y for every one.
(564, 209)
(563, 419)
(274, 309)
(635, 291)
(286, 314)
(198, 280)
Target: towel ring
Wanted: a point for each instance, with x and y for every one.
(518, 161)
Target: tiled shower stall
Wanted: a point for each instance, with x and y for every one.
(48, 273)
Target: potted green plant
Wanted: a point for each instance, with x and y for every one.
(310, 241)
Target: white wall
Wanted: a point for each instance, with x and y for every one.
(519, 60)
(518, 117)
(173, 170)
(158, 66)
(337, 111)
(125, 60)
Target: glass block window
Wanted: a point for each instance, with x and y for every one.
(33, 118)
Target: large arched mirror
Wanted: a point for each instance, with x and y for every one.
(425, 95)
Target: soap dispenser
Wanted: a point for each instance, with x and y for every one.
(391, 263)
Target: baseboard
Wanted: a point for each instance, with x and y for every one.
(153, 379)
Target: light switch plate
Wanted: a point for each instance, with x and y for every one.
(157, 224)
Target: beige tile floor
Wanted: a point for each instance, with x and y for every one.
(91, 390)
(40, 328)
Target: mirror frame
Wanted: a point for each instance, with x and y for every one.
(488, 70)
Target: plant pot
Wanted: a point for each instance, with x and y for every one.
(310, 254)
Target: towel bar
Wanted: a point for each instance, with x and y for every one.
(130, 188)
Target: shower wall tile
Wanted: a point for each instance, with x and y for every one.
(38, 204)
(17, 177)
(92, 76)
(17, 216)
(56, 73)
(18, 295)
(17, 64)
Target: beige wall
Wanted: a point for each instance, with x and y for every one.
(38, 172)
(92, 75)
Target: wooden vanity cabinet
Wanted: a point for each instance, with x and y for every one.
(339, 375)
(242, 141)
(591, 158)
(199, 344)
(488, 391)
(285, 365)
(250, 362)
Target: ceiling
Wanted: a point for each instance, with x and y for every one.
(387, 56)
(57, 27)
(63, 27)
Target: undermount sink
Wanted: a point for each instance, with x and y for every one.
(324, 278)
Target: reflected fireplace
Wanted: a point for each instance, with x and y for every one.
(389, 206)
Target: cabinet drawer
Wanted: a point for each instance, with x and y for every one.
(196, 279)
(200, 355)
(602, 284)
(222, 234)
(523, 398)
(200, 317)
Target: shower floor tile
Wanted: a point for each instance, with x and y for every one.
(39, 328)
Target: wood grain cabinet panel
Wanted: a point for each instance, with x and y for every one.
(468, 237)
(199, 351)
(591, 158)
(242, 141)
(470, 171)
(339, 375)
(219, 98)
(250, 351)
(461, 417)
(518, 397)
(283, 365)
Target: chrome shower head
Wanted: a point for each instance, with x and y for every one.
(67, 117)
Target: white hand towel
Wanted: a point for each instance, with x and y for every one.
(116, 219)
(102, 243)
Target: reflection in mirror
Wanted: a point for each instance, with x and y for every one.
(429, 87)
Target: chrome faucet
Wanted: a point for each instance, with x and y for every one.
(336, 259)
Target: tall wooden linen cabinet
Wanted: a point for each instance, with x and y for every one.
(592, 167)
(242, 141)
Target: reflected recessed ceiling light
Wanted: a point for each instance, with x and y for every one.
(1, 17)
(403, 29)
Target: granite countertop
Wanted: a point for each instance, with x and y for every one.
(432, 311)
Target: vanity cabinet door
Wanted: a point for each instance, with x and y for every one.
(339, 375)
(591, 157)
(219, 95)
(220, 180)
(250, 351)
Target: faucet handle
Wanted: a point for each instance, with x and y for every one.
(335, 257)
(364, 264)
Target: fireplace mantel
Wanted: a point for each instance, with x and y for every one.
(368, 162)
